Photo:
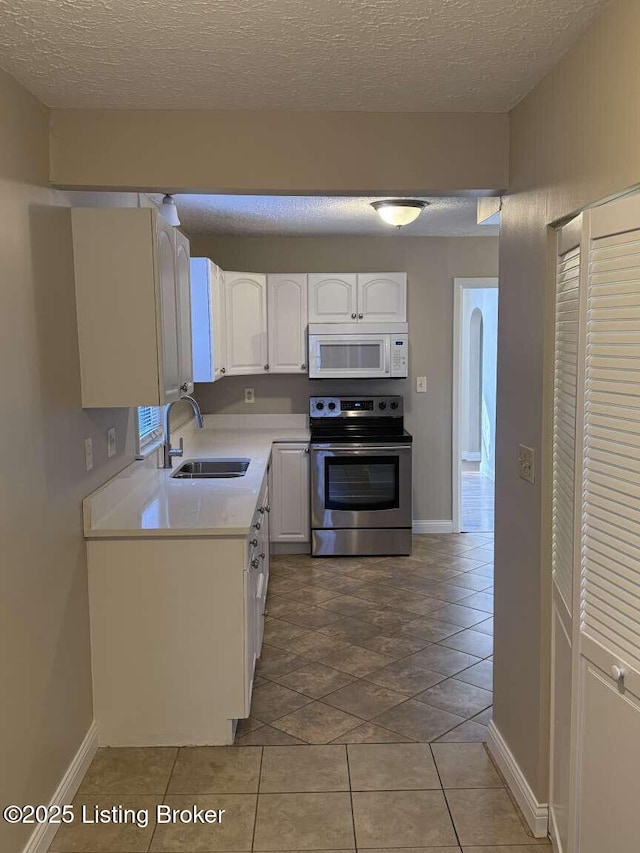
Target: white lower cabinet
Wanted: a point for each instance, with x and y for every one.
(176, 629)
(256, 582)
(290, 492)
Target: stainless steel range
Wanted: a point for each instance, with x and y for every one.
(360, 476)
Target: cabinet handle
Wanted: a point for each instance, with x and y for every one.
(353, 316)
(254, 564)
(254, 542)
(303, 367)
(257, 525)
(618, 674)
(262, 556)
(184, 387)
(360, 316)
(306, 450)
(223, 370)
(267, 508)
(266, 367)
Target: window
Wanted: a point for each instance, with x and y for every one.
(149, 425)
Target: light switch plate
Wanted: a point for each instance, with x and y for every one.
(88, 454)
(111, 442)
(527, 463)
(421, 384)
(249, 395)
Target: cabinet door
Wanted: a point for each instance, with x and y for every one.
(183, 301)
(287, 323)
(218, 322)
(382, 297)
(207, 320)
(168, 309)
(333, 298)
(246, 306)
(290, 493)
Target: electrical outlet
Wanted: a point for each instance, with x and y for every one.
(88, 454)
(527, 463)
(249, 395)
(111, 442)
(421, 384)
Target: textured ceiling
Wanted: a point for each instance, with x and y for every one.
(379, 55)
(318, 215)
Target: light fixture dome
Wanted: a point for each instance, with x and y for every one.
(399, 211)
(169, 210)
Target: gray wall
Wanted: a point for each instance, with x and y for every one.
(46, 706)
(431, 264)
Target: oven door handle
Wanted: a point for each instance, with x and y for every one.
(377, 448)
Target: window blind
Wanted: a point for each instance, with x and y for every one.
(149, 424)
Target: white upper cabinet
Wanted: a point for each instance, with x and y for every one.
(287, 323)
(246, 323)
(382, 297)
(208, 320)
(358, 298)
(129, 330)
(183, 294)
(333, 298)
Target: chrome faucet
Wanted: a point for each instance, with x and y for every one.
(168, 451)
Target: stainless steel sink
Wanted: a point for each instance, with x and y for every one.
(218, 469)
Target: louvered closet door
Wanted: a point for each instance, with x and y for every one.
(564, 491)
(609, 592)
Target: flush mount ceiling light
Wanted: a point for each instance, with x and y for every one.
(169, 210)
(399, 211)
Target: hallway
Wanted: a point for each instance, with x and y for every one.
(370, 706)
(439, 798)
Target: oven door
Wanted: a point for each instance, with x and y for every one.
(361, 356)
(360, 486)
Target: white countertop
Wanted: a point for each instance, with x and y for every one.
(145, 501)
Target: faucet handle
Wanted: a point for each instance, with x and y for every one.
(177, 451)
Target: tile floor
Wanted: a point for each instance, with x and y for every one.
(442, 797)
(364, 662)
(377, 650)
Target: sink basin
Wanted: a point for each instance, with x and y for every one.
(217, 469)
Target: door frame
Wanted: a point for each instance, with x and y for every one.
(459, 286)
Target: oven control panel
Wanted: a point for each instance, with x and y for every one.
(359, 407)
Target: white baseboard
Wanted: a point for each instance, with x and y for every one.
(42, 835)
(434, 526)
(536, 814)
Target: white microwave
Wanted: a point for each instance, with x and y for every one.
(358, 351)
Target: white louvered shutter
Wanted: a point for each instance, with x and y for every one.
(564, 420)
(610, 559)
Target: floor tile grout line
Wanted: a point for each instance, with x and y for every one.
(444, 796)
(255, 815)
(353, 816)
(165, 794)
